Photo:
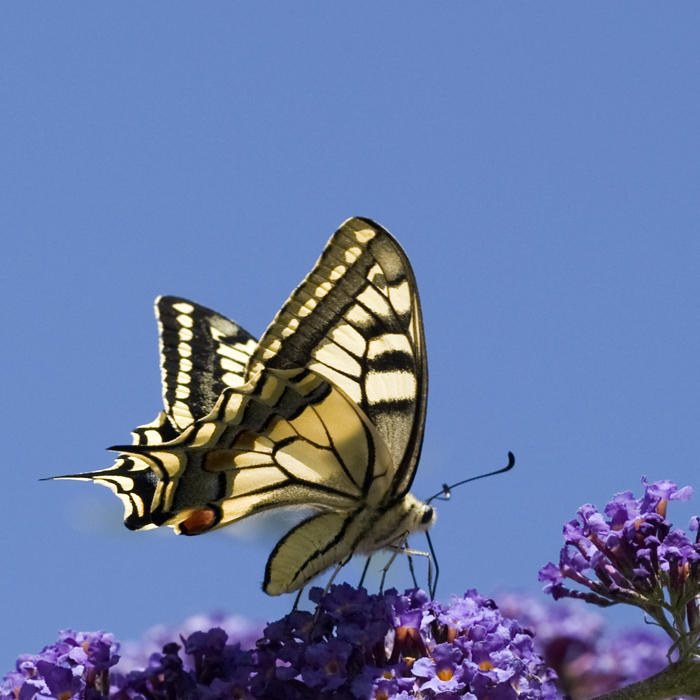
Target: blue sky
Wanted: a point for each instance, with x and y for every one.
(540, 164)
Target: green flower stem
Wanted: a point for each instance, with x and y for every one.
(680, 678)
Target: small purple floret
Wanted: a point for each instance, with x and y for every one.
(77, 666)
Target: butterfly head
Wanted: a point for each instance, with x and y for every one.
(422, 515)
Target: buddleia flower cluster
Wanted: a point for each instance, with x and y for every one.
(632, 554)
(355, 646)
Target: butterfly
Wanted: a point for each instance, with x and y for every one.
(324, 413)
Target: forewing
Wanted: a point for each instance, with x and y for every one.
(201, 354)
(356, 320)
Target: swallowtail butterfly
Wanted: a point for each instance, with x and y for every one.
(326, 413)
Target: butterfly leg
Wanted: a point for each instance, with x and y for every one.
(402, 548)
(432, 586)
(364, 571)
(328, 588)
(396, 548)
(412, 570)
(297, 599)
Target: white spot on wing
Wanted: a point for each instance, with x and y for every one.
(400, 297)
(231, 365)
(181, 414)
(333, 355)
(233, 407)
(374, 301)
(350, 339)
(185, 321)
(376, 277)
(337, 272)
(389, 342)
(233, 353)
(351, 254)
(232, 379)
(307, 308)
(323, 289)
(183, 308)
(359, 317)
(390, 386)
(365, 235)
(350, 387)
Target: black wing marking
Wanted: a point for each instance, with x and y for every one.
(201, 354)
(328, 414)
(356, 320)
(289, 438)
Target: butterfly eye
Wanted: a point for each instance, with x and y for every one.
(427, 516)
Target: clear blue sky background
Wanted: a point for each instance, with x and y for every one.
(538, 161)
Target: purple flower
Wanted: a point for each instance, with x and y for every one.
(75, 666)
(632, 554)
(443, 672)
(136, 654)
(587, 658)
(356, 646)
(325, 665)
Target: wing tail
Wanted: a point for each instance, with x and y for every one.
(133, 481)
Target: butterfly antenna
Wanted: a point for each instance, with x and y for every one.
(446, 491)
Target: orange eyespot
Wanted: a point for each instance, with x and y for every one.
(198, 522)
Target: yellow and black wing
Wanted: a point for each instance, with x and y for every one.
(201, 354)
(330, 417)
(356, 321)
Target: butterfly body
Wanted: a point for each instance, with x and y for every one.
(325, 413)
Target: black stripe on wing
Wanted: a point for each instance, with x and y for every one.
(155, 433)
(356, 320)
(202, 353)
(289, 439)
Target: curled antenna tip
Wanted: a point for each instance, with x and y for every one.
(446, 491)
